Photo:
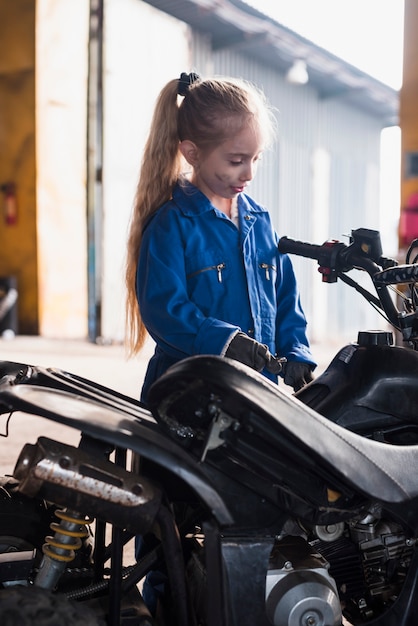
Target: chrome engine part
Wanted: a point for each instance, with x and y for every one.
(299, 588)
(67, 476)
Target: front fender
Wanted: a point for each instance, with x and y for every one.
(106, 415)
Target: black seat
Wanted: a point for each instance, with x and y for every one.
(381, 471)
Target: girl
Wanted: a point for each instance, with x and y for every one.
(204, 275)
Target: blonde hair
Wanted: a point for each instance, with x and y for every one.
(211, 112)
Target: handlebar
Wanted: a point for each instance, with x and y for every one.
(334, 257)
(307, 250)
(329, 255)
(364, 252)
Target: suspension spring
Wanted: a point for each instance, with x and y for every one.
(60, 549)
(68, 536)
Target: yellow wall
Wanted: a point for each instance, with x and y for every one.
(18, 249)
(43, 110)
(409, 99)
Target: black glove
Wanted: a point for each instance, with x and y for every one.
(250, 352)
(296, 374)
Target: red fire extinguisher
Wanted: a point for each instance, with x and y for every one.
(10, 203)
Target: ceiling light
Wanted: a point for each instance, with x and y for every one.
(298, 73)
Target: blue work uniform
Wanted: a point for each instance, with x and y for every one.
(200, 279)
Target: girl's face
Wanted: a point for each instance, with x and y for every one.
(224, 172)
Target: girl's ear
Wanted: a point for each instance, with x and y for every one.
(190, 152)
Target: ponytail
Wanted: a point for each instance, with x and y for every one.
(160, 170)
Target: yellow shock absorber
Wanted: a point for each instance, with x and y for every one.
(68, 536)
(60, 549)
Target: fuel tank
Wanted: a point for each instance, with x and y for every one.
(370, 387)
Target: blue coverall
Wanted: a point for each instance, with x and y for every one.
(200, 279)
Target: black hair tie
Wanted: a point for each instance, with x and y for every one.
(185, 81)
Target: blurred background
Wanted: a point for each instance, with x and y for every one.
(78, 83)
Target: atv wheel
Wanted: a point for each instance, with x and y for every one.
(26, 606)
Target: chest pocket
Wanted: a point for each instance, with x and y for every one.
(267, 281)
(219, 268)
(207, 276)
(269, 270)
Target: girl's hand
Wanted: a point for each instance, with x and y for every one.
(250, 352)
(297, 374)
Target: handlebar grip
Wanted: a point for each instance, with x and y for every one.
(326, 254)
(300, 248)
(398, 275)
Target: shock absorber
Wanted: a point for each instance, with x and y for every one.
(60, 549)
